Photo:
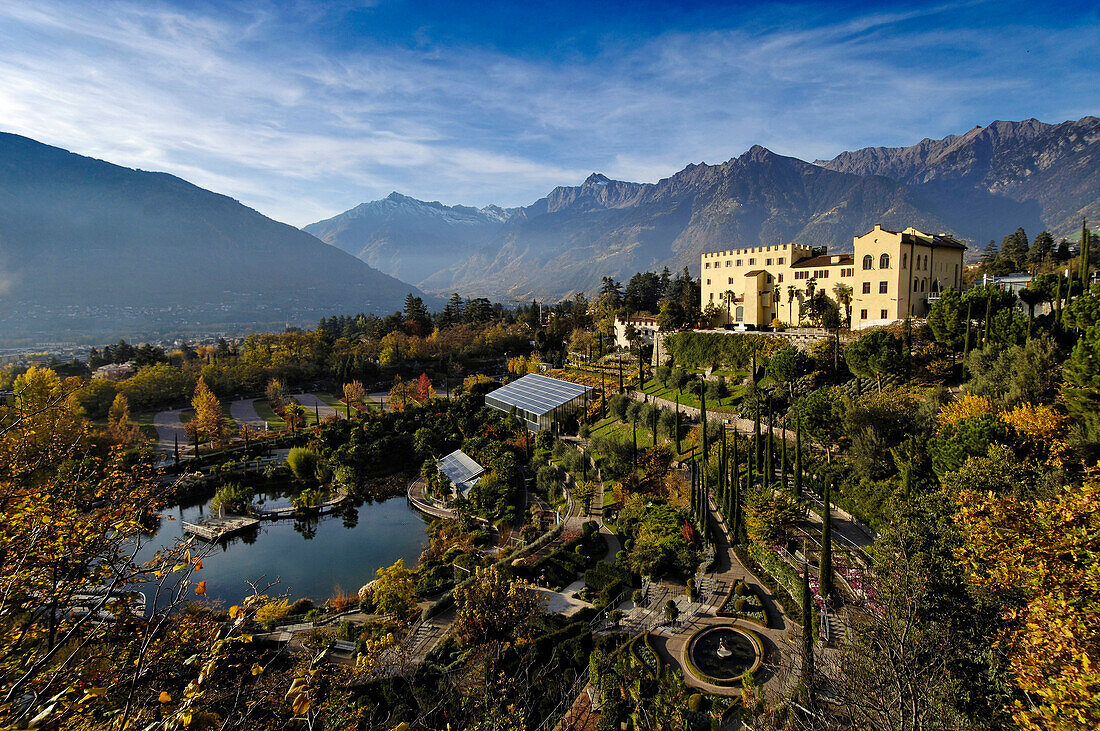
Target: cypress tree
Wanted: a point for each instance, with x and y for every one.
(634, 448)
(966, 342)
(807, 633)
(751, 481)
(988, 317)
(826, 565)
(703, 422)
(677, 424)
(797, 489)
(769, 452)
(784, 467)
(1083, 266)
(735, 537)
(756, 445)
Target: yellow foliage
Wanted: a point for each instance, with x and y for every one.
(1043, 557)
(272, 610)
(1044, 427)
(969, 405)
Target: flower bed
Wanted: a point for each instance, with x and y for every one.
(646, 655)
(742, 602)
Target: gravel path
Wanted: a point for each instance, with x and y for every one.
(312, 403)
(169, 428)
(244, 412)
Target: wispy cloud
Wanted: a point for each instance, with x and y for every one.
(258, 102)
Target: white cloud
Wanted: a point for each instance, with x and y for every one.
(238, 104)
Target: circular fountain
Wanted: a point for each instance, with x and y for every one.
(721, 655)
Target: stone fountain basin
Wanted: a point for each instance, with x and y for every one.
(706, 657)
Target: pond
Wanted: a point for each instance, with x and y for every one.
(310, 558)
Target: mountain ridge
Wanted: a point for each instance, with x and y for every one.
(85, 244)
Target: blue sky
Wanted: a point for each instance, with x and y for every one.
(303, 110)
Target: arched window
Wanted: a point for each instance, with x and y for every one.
(884, 261)
(922, 283)
(739, 314)
(915, 284)
(868, 262)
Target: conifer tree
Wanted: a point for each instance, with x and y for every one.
(703, 422)
(797, 490)
(826, 566)
(807, 634)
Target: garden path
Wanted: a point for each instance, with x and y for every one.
(243, 412)
(169, 428)
(312, 403)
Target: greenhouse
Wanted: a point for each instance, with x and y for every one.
(539, 401)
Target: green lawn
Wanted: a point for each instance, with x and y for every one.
(726, 405)
(331, 400)
(611, 425)
(264, 411)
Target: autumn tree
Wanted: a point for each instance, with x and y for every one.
(1042, 559)
(394, 591)
(401, 394)
(494, 607)
(355, 394)
(209, 421)
(424, 389)
(119, 425)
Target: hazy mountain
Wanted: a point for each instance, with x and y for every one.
(408, 238)
(1053, 166)
(569, 239)
(91, 248)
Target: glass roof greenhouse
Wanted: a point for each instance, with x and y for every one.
(462, 471)
(539, 400)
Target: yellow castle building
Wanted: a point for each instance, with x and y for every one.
(892, 274)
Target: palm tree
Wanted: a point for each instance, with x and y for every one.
(843, 294)
(729, 296)
(790, 302)
(776, 294)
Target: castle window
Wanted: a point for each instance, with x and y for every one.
(884, 261)
(768, 262)
(728, 262)
(866, 288)
(882, 287)
(738, 262)
(707, 265)
(752, 261)
(882, 314)
(904, 260)
(780, 259)
(730, 280)
(781, 279)
(863, 314)
(868, 262)
(915, 284)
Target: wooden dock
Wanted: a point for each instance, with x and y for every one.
(215, 528)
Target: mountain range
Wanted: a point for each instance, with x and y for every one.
(977, 186)
(88, 248)
(408, 238)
